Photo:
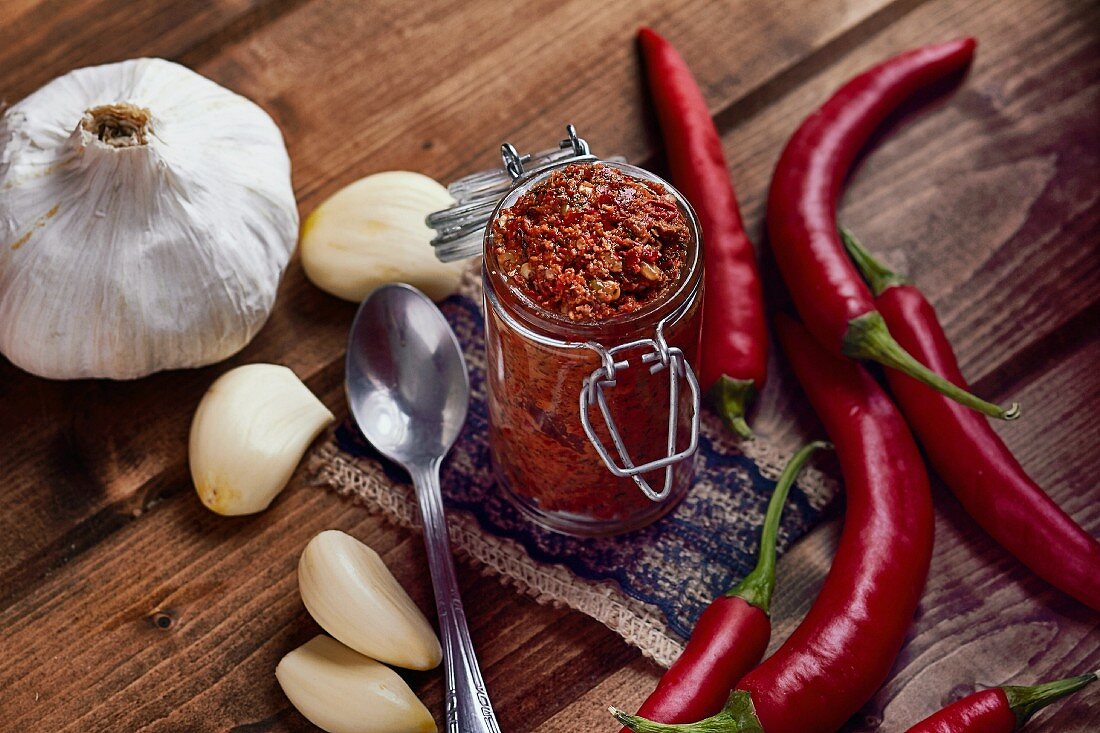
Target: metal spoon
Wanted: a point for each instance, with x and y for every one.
(408, 390)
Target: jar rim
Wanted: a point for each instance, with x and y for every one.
(563, 330)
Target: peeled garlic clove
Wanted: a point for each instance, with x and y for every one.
(351, 593)
(342, 691)
(372, 232)
(248, 435)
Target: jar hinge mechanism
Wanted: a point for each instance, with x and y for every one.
(660, 357)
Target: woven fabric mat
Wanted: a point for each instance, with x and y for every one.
(648, 586)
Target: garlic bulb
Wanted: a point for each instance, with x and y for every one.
(351, 593)
(372, 232)
(249, 432)
(341, 691)
(146, 217)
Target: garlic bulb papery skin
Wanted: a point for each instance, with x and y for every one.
(146, 217)
(372, 232)
(341, 691)
(352, 595)
(248, 435)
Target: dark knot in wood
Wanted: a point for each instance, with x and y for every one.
(162, 619)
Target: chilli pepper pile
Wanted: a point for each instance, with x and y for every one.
(852, 309)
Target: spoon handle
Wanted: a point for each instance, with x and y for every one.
(467, 704)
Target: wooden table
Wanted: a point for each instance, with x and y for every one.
(126, 606)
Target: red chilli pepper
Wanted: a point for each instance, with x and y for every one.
(972, 459)
(830, 295)
(843, 650)
(732, 633)
(999, 710)
(735, 336)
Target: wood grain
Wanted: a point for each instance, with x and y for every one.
(43, 39)
(125, 606)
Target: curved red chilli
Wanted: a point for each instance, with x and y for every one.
(735, 336)
(976, 464)
(843, 650)
(731, 637)
(826, 288)
(986, 711)
(1001, 709)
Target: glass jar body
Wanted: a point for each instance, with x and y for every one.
(543, 458)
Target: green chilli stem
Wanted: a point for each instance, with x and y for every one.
(738, 716)
(731, 397)
(868, 338)
(874, 272)
(757, 587)
(1026, 701)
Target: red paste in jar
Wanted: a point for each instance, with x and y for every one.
(591, 242)
(584, 234)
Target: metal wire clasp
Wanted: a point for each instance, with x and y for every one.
(660, 357)
(514, 162)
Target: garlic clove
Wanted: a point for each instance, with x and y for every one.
(249, 432)
(372, 232)
(341, 691)
(351, 593)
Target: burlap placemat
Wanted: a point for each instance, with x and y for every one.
(648, 586)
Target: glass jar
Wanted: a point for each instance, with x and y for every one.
(593, 425)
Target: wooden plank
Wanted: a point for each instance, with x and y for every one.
(108, 450)
(41, 39)
(228, 591)
(575, 58)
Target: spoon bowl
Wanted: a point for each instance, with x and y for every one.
(407, 384)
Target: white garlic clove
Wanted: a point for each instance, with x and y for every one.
(372, 232)
(341, 691)
(249, 432)
(351, 593)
